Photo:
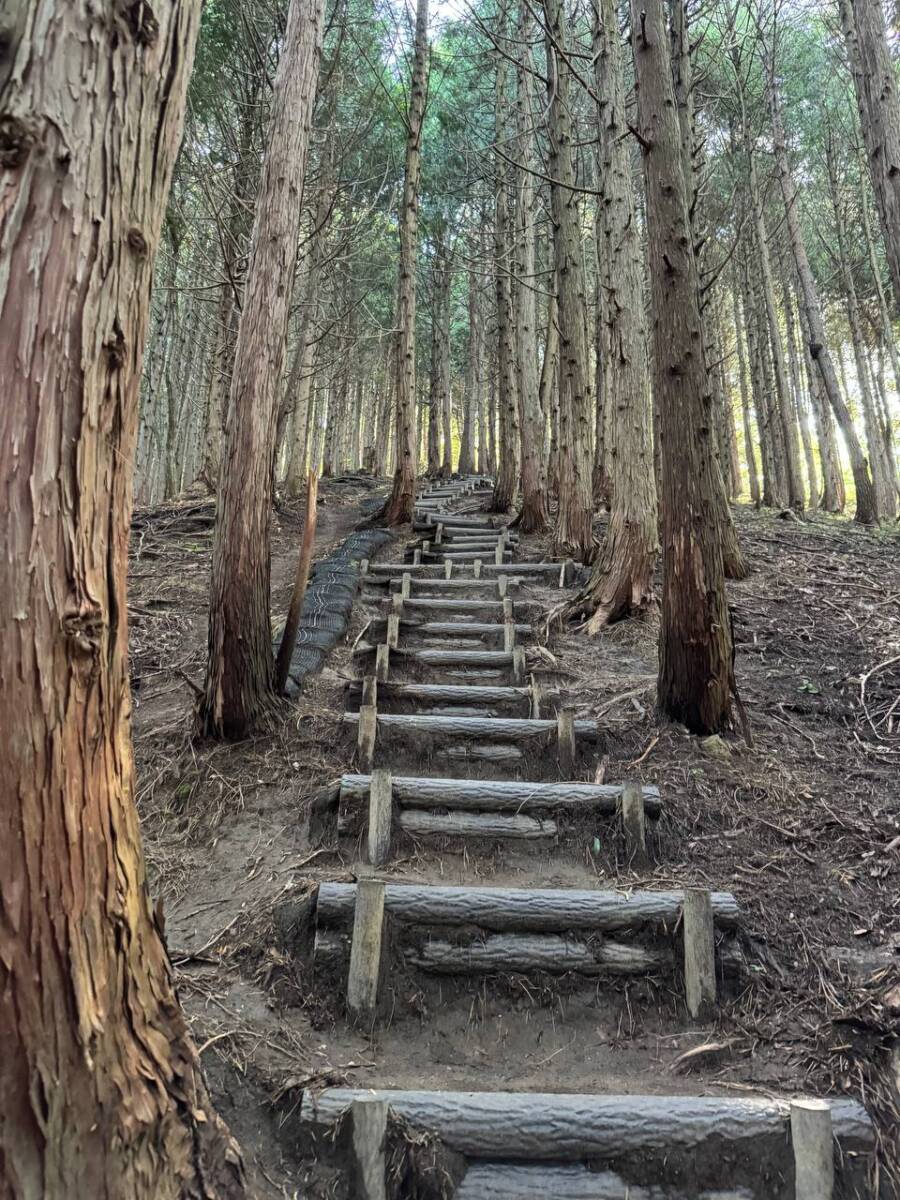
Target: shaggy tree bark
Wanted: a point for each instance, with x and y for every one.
(814, 328)
(400, 506)
(101, 1089)
(572, 533)
(879, 115)
(507, 380)
(534, 516)
(621, 578)
(695, 665)
(239, 677)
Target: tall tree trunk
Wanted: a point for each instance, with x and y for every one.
(472, 398)
(400, 505)
(875, 82)
(885, 491)
(444, 370)
(834, 496)
(787, 302)
(573, 530)
(621, 578)
(695, 666)
(758, 350)
(749, 452)
(101, 1088)
(507, 400)
(548, 389)
(866, 506)
(239, 678)
(534, 516)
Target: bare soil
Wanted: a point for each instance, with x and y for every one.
(801, 822)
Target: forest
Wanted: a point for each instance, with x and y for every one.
(450, 599)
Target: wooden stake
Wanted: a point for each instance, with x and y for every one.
(498, 554)
(381, 805)
(439, 536)
(508, 614)
(417, 558)
(368, 1119)
(369, 691)
(382, 663)
(535, 700)
(509, 636)
(397, 603)
(405, 585)
(393, 630)
(365, 950)
(518, 664)
(812, 1140)
(292, 624)
(365, 735)
(565, 738)
(633, 824)
(502, 585)
(699, 952)
(448, 568)
(476, 569)
(364, 566)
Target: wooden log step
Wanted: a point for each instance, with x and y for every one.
(532, 1126)
(450, 693)
(557, 954)
(518, 1181)
(469, 628)
(490, 795)
(455, 521)
(472, 608)
(428, 570)
(499, 729)
(486, 555)
(474, 825)
(462, 658)
(495, 752)
(521, 910)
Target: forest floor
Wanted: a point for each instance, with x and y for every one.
(802, 824)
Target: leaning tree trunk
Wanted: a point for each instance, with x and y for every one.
(621, 578)
(695, 664)
(875, 82)
(534, 516)
(101, 1088)
(572, 533)
(400, 505)
(239, 678)
(814, 328)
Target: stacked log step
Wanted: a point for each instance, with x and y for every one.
(521, 1146)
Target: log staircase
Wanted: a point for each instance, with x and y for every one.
(446, 680)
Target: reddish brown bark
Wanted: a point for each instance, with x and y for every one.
(101, 1091)
(240, 672)
(695, 644)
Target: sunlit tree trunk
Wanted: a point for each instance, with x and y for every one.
(101, 1090)
(695, 668)
(866, 505)
(472, 398)
(400, 506)
(239, 677)
(749, 452)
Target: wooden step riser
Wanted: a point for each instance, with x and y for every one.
(494, 729)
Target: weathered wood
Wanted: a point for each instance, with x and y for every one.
(502, 586)
(417, 558)
(382, 663)
(516, 1181)
(699, 953)
(366, 732)
(476, 568)
(397, 604)
(494, 752)
(478, 825)
(448, 569)
(498, 796)
(393, 631)
(462, 658)
(565, 741)
(368, 1125)
(369, 692)
(405, 585)
(555, 953)
(633, 825)
(381, 814)
(363, 566)
(518, 665)
(363, 981)
(471, 628)
(512, 910)
(812, 1142)
(448, 693)
(567, 1128)
(501, 729)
